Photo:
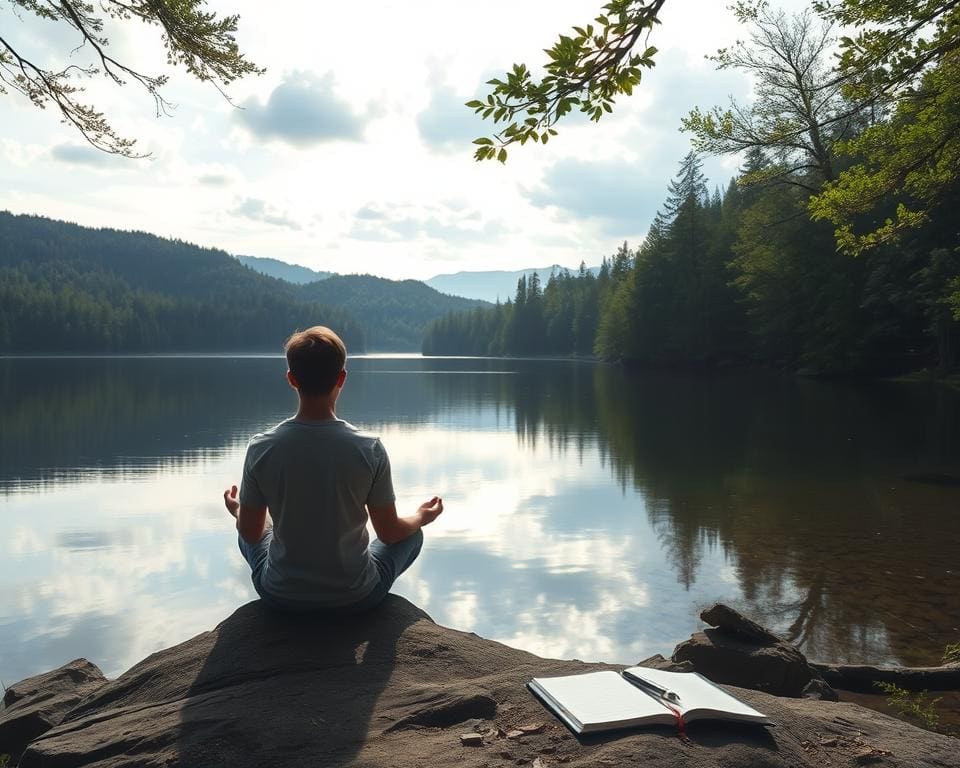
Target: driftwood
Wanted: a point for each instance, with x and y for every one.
(861, 677)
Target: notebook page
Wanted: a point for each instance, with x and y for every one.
(697, 693)
(604, 697)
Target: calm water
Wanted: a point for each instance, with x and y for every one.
(590, 513)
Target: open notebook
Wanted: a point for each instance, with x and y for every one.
(605, 701)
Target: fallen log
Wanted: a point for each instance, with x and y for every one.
(862, 677)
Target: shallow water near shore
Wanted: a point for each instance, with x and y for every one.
(591, 513)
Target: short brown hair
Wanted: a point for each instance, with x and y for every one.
(315, 357)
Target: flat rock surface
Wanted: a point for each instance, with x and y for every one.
(394, 689)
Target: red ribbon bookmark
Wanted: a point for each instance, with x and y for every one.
(681, 726)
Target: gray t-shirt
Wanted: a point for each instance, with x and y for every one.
(316, 477)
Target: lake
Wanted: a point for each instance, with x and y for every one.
(590, 513)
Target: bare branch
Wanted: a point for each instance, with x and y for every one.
(203, 43)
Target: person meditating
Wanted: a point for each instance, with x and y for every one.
(307, 489)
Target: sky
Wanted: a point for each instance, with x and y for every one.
(353, 154)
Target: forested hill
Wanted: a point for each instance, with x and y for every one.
(394, 313)
(70, 289)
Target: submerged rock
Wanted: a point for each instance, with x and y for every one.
(392, 688)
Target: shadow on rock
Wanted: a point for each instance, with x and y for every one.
(294, 689)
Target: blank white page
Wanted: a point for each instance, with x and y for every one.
(603, 699)
(697, 693)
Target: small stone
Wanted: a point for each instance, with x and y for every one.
(515, 734)
(869, 755)
(539, 763)
(831, 742)
(548, 750)
(471, 739)
(533, 728)
(818, 689)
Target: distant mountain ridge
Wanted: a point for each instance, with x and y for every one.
(491, 285)
(395, 313)
(282, 270)
(481, 285)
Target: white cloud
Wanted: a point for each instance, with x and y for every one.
(348, 132)
(303, 110)
(259, 210)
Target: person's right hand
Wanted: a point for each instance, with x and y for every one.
(430, 510)
(230, 500)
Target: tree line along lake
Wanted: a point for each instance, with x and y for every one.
(591, 512)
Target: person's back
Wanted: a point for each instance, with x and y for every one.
(318, 478)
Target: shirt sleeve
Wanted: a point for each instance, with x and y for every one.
(381, 491)
(250, 493)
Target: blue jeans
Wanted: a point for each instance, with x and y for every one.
(390, 560)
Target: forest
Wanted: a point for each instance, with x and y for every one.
(742, 277)
(66, 289)
(835, 249)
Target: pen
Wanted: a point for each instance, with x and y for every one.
(647, 686)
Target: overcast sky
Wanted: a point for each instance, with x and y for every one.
(352, 153)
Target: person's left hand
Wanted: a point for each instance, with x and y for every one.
(231, 501)
(430, 510)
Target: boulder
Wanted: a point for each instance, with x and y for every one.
(725, 618)
(392, 688)
(742, 653)
(33, 706)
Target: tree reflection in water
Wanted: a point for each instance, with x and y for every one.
(799, 484)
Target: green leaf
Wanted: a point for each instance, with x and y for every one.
(502, 155)
(483, 140)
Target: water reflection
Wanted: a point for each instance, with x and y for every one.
(591, 513)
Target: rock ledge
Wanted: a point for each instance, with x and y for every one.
(392, 688)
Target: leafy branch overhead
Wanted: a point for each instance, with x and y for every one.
(903, 58)
(193, 37)
(585, 71)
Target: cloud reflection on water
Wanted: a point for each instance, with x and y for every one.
(589, 514)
